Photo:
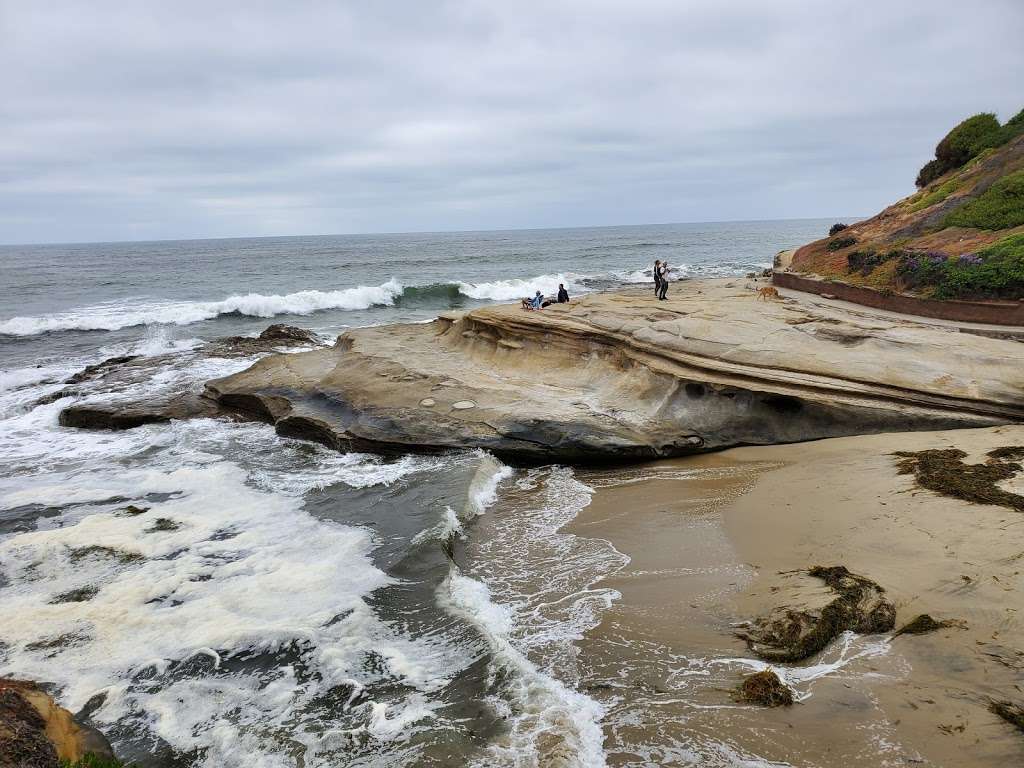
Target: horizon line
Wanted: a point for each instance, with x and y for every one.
(414, 232)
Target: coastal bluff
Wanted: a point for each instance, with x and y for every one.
(620, 376)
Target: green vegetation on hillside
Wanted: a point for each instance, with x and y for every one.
(968, 140)
(996, 272)
(937, 195)
(1001, 206)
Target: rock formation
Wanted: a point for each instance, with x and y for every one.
(37, 733)
(617, 376)
(620, 376)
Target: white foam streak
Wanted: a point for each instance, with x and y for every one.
(483, 488)
(114, 315)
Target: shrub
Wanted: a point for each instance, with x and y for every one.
(866, 262)
(837, 228)
(1014, 127)
(967, 140)
(841, 242)
(1001, 206)
(929, 173)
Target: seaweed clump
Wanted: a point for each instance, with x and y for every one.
(920, 625)
(1010, 712)
(789, 635)
(764, 688)
(943, 470)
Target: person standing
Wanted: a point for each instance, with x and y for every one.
(563, 295)
(663, 276)
(657, 277)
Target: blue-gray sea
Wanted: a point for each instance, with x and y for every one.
(276, 603)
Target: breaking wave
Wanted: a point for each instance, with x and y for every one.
(114, 315)
(111, 316)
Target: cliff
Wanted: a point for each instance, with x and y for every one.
(961, 236)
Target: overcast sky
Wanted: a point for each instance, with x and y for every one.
(139, 120)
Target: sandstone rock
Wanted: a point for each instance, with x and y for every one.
(620, 376)
(37, 733)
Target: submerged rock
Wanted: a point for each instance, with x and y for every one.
(764, 688)
(37, 733)
(120, 375)
(788, 634)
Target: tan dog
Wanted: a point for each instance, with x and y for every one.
(768, 292)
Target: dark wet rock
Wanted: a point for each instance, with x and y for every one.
(1010, 712)
(764, 688)
(163, 524)
(92, 372)
(920, 625)
(79, 595)
(132, 510)
(943, 471)
(118, 376)
(37, 733)
(116, 415)
(789, 635)
(96, 550)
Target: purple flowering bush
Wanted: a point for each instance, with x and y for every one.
(995, 272)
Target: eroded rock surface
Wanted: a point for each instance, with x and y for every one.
(620, 375)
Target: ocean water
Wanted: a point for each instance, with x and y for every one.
(211, 594)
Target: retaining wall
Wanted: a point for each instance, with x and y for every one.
(994, 312)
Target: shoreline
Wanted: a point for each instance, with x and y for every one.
(714, 540)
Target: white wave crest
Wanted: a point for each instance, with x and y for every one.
(111, 316)
(483, 488)
(507, 290)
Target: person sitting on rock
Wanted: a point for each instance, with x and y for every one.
(538, 301)
(563, 295)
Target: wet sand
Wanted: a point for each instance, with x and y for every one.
(710, 541)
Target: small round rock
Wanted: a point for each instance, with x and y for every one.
(463, 405)
(428, 402)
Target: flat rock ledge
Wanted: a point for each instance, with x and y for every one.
(621, 376)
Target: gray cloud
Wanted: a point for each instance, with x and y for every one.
(131, 120)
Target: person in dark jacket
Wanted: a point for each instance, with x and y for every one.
(657, 277)
(563, 295)
(663, 289)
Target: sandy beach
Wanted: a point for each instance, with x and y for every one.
(716, 540)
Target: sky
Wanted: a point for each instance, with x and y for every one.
(161, 120)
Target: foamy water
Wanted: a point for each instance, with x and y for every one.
(211, 594)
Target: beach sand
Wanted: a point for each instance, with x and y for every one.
(714, 540)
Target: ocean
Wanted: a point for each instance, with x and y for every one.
(211, 594)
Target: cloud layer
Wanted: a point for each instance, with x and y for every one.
(136, 120)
